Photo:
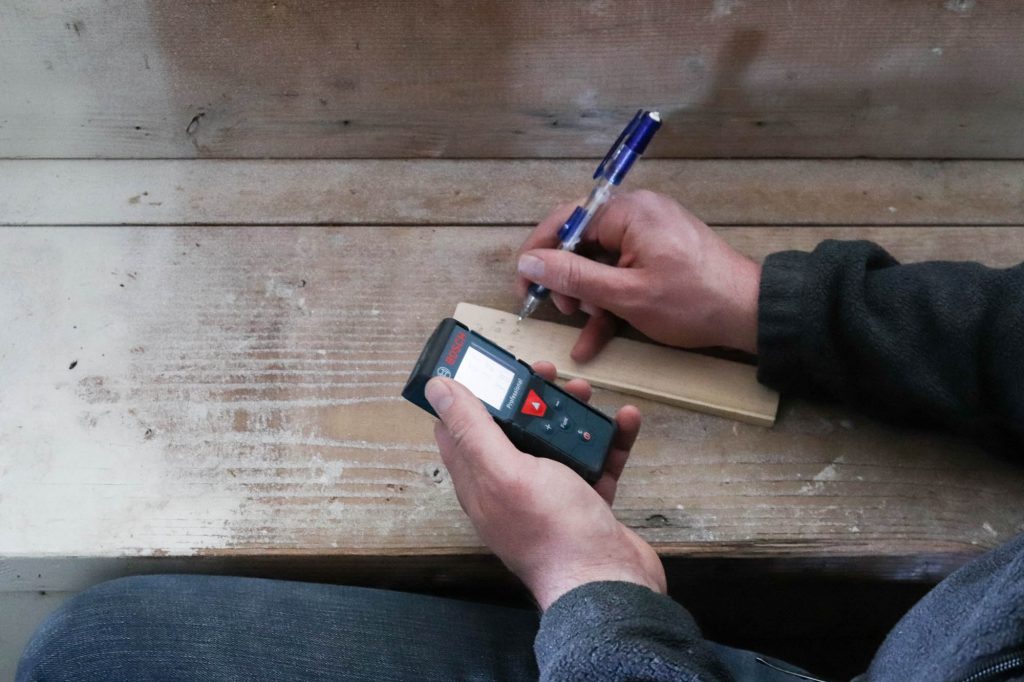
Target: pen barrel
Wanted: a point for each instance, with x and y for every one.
(620, 165)
(572, 225)
(572, 231)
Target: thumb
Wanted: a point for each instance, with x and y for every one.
(572, 275)
(469, 435)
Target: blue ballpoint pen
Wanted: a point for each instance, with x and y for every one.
(610, 173)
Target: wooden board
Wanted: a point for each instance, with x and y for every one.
(235, 393)
(323, 79)
(668, 375)
(444, 192)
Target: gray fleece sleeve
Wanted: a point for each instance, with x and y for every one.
(622, 631)
(937, 344)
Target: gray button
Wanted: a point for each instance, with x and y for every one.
(564, 424)
(547, 428)
(557, 403)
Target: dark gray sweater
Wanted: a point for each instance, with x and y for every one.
(932, 343)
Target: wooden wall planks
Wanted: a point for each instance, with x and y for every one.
(235, 392)
(91, 78)
(448, 192)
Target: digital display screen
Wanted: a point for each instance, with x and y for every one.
(486, 378)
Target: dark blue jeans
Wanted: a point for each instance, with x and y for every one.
(184, 627)
(175, 627)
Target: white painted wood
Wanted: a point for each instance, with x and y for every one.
(282, 192)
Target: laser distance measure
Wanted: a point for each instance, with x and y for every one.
(537, 416)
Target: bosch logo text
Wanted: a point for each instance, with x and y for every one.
(457, 344)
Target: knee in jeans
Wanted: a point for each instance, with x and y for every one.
(76, 633)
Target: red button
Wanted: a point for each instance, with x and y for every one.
(534, 406)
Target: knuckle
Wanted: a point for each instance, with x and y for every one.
(645, 196)
(630, 291)
(461, 430)
(643, 208)
(572, 277)
(653, 207)
(516, 486)
(626, 202)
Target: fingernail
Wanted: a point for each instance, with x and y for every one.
(587, 308)
(531, 267)
(438, 395)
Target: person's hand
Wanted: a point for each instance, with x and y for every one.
(656, 266)
(539, 517)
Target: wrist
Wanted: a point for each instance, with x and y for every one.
(739, 324)
(549, 591)
(627, 559)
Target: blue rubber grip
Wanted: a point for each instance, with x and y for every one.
(538, 291)
(570, 225)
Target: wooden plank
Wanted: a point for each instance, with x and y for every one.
(742, 192)
(462, 575)
(92, 78)
(669, 375)
(234, 392)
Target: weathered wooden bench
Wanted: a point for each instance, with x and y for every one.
(202, 351)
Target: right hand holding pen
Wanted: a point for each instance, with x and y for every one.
(657, 266)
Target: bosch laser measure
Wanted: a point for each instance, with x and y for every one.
(537, 416)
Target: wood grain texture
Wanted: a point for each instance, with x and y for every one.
(446, 192)
(234, 392)
(646, 370)
(396, 79)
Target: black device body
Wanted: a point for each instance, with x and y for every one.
(537, 416)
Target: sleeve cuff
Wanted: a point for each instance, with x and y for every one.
(600, 609)
(780, 318)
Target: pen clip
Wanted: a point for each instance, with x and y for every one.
(617, 147)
